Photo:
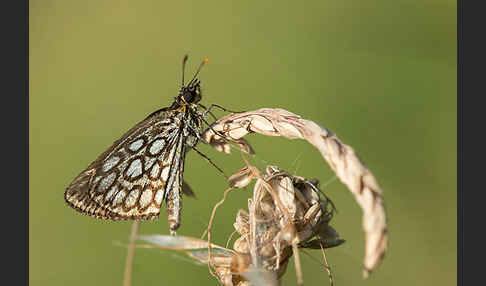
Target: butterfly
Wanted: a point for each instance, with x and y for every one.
(145, 167)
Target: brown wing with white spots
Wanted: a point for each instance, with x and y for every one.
(130, 179)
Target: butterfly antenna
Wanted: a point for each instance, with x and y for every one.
(206, 60)
(184, 60)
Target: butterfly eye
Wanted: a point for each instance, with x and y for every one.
(188, 96)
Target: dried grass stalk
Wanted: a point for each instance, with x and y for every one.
(341, 157)
(127, 277)
(270, 232)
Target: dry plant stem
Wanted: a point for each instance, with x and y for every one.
(276, 198)
(298, 267)
(342, 159)
(127, 278)
(209, 257)
(253, 241)
(208, 230)
(146, 246)
(229, 238)
(328, 268)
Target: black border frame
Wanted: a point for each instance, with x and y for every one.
(470, 143)
(15, 117)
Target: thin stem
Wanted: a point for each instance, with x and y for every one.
(298, 266)
(328, 268)
(210, 225)
(230, 237)
(131, 252)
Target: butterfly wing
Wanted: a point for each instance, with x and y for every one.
(132, 178)
(175, 184)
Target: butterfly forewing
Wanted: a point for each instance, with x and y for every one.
(132, 178)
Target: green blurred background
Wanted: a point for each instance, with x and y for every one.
(380, 74)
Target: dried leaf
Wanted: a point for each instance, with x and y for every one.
(241, 223)
(197, 249)
(241, 244)
(241, 179)
(222, 144)
(177, 242)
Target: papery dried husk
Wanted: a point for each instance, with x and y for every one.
(241, 224)
(242, 178)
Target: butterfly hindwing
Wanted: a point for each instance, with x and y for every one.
(175, 183)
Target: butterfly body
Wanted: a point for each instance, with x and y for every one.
(144, 168)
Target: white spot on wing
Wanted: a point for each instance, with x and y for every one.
(132, 198)
(77, 204)
(156, 146)
(157, 183)
(165, 173)
(106, 182)
(119, 198)
(132, 212)
(146, 198)
(154, 173)
(149, 162)
(152, 209)
(110, 193)
(135, 168)
(158, 196)
(112, 161)
(136, 145)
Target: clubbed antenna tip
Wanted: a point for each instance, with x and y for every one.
(206, 60)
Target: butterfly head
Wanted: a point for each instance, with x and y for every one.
(190, 93)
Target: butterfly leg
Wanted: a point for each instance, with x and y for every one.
(192, 145)
(221, 134)
(218, 106)
(210, 113)
(210, 162)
